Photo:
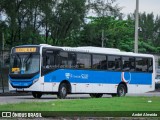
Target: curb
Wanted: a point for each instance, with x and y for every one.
(14, 94)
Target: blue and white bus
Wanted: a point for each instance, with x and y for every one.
(45, 69)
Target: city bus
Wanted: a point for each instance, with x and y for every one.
(45, 69)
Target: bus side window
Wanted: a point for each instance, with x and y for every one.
(46, 62)
(145, 64)
(71, 60)
(118, 63)
(126, 63)
(114, 63)
(99, 62)
(132, 63)
(63, 59)
(111, 62)
(139, 64)
(48, 59)
(150, 65)
(83, 60)
(67, 60)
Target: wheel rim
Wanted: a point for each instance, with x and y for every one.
(121, 91)
(64, 91)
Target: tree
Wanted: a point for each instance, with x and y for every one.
(68, 16)
(148, 32)
(28, 19)
(118, 33)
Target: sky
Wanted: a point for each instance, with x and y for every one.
(147, 6)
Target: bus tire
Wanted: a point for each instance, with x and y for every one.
(62, 92)
(37, 94)
(121, 90)
(96, 95)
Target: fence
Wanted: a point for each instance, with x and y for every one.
(4, 70)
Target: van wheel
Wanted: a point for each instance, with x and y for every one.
(96, 95)
(121, 90)
(62, 92)
(37, 94)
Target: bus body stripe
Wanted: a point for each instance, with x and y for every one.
(23, 82)
(106, 77)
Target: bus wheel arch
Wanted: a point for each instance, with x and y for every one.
(122, 89)
(64, 89)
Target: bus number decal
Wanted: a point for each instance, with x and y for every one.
(82, 76)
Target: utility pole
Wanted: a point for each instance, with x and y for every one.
(136, 27)
(2, 41)
(102, 38)
(2, 65)
(2, 48)
(2, 62)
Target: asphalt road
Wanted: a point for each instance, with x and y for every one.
(46, 98)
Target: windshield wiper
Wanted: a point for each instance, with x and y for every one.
(19, 58)
(27, 58)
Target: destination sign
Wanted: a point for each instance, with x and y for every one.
(29, 49)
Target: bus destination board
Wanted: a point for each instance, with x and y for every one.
(29, 49)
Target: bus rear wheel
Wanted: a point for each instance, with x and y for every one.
(121, 90)
(62, 92)
(96, 95)
(37, 94)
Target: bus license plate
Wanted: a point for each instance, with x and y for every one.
(20, 89)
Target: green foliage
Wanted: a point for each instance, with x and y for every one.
(100, 104)
(149, 32)
(117, 33)
(62, 22)
(26, 19)
(147, 46)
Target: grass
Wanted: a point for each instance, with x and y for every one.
(97, 104)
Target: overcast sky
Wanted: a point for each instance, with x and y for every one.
(147, 6)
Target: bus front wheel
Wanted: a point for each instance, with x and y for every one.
(121, 90)
(37, 94)
(96, 95)
(62, 92)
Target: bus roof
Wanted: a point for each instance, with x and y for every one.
(91, 49)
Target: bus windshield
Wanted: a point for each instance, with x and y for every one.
(24, 63)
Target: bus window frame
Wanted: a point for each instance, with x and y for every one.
(114, 62)
(107, 55)
(74, 61)
(129, 64)
(90, 60)
(149, 66)
(44, 70)
(104, 55)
